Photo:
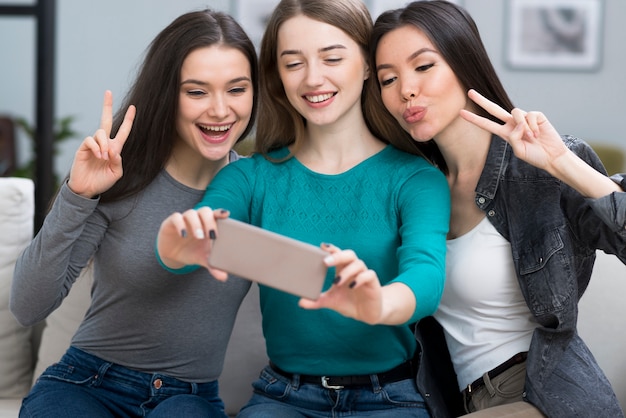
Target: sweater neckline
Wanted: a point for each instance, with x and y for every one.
(363, 165)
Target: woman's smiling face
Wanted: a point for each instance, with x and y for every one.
(215, 103)
(322, 70)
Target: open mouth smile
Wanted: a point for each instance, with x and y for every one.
(215, 130)
(318, 98)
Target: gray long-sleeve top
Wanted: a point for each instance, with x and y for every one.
(141, 316)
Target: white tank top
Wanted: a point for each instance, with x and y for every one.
(483, 313)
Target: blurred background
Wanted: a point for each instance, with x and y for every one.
(98, 45)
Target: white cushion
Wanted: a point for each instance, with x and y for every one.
(16, 231)
(245, 356)
(9, 408)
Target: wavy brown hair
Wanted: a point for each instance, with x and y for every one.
(279, 124)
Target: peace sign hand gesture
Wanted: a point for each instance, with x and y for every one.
(530, 134)
(97, 163)
(534, 140)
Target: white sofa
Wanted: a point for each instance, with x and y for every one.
(25, 352)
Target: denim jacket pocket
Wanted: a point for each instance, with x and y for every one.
(545, 272)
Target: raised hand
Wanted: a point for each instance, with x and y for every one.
(531, 135)
(186, 239)
(357, 292)
(97, 163)
(534, 140)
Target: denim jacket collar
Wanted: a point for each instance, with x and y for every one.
(497, 160)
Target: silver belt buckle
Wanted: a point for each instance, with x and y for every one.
(327, 386)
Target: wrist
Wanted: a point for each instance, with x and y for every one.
(80, 192)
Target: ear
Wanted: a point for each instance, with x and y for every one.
(366, 73)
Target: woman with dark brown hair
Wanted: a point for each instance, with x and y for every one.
(529, 210)
(149, 345)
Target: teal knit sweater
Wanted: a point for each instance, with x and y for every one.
(392, 210)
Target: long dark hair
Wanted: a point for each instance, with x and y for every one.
(155, 93)
(455, 35)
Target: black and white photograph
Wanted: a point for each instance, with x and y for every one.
(554, 35)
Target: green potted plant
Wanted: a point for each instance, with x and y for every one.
(62, 131)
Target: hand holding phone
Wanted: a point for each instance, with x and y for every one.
(269, 258)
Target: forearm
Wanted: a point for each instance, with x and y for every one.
(398, 304)
(579, 175)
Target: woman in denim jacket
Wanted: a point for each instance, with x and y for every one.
(529, 210)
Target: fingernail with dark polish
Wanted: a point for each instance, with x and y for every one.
(212, 234)
(351, 285)
(183, 233)
(336, 280)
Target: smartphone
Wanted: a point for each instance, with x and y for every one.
(269, 258)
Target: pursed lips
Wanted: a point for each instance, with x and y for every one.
(414, 114)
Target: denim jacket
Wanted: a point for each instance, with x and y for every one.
(554, 234)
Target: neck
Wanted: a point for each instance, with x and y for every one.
(337, 147)
(464, 149)
(193, 170)
(334, 153)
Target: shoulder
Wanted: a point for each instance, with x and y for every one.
(234, 156)
(411, 165)
(244, 170)
(584, 151)
(412, 175)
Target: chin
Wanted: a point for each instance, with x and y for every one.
(216, 155)
(420, 136)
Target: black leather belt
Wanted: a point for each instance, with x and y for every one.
(401, 372)
(480, 382)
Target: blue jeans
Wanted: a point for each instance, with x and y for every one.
(83, 385)
(276, 396)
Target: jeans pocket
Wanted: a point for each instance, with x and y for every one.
(402, 393)
(272, 386)
(508, 387)
(67, 373)
(512, 383)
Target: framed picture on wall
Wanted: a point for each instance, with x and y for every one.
(378, 6)
(554, 35)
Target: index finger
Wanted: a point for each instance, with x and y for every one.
(106, 119)
(126, 126)
(491, 107)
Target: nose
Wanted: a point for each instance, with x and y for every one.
(408, 91)
(314, 75)
(218, 107)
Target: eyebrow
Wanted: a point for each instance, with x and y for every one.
(325, 49)
(204, 83)
(409, 58)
